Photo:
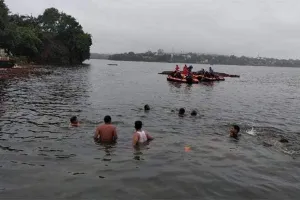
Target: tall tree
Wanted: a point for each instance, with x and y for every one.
(52, 38)
(3, 22)
(65, 28)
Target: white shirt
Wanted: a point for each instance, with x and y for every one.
(142, 136)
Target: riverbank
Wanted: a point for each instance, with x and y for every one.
(23, 71)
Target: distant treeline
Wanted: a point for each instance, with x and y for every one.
(51, 38)
(99, 56)
(203, 59)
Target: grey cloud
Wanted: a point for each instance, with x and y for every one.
(241, 27)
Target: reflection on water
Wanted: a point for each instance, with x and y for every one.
(109, 149)
(175, 84)
(36, 142)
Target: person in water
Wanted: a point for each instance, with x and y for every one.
(234, 131)
(146, 107)
(140, 136)
(194, 113)
(74, 121)
(106, 132)
(181, 112)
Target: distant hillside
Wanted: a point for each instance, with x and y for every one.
(160, 56)
(99, 56)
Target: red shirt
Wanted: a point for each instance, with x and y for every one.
(185, 70)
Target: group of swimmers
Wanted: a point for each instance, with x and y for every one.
(107, 132)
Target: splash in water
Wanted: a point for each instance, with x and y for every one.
(251, 132)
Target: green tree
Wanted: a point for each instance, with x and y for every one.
(3, 22)
(25, 42)
(59, 26)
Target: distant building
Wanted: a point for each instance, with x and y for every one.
(2, 53)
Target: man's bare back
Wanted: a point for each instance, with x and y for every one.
(106, 132)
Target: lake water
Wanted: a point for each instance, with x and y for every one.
(42, 158)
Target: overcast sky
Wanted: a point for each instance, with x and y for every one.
(270, 28)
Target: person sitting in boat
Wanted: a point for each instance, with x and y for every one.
(189, 74)
(201, 72)
(207, 74)
(185, 70)
(176, 74)
(177, 69)
(190, 68)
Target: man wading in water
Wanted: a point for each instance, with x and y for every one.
(106, 132)
(140, 136)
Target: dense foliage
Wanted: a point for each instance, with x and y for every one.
(51, 38)
(160, 56)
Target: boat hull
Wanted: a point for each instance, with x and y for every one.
(183, 80)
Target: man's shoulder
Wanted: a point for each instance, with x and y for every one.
(105, 126)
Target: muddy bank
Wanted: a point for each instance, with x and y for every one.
(23, 71)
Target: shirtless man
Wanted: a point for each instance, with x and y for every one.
(140, 136)
(106, 132)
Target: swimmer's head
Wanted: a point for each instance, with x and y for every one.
(235, 129)
(283, 140)
(146, 107)
(107, 119)
(74, 121)
(194, 113)
(138, 125)
(181, 111)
